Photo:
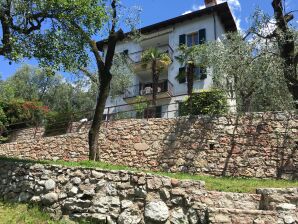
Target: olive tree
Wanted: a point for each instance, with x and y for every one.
(248, 73)
(276, 30)
(71, 44)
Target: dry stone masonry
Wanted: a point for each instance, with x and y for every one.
(127, 197)
(262, 145)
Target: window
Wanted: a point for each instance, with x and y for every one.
(182, 39)
(202, 36)
(181, 77)
(192, 39)
(200, 73)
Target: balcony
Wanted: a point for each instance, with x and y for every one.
(136, 57)
(164, 90)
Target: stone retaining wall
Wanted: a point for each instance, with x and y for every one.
(262, 145)
(127, 197)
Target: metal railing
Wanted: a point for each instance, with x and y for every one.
(136, 57)
(144, 89)
(113, 113)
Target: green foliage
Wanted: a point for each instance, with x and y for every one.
(3, 119)
(11, 213)
(141, 103)
(225, 184)
(3, 123)
(35, 84)
(155, 55)
(57, 123)
(17, 114)
(210, 102)
(248, 72)
(21, 111)
(191, 55)
(122, 75)
(122, 115)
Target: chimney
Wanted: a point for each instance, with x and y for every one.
(209, 3)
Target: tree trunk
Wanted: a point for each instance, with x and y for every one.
(155, 79)
(190, 80)
(286, 44)
(103, 93)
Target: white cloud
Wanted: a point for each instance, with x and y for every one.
(194, 8)
(234, 5)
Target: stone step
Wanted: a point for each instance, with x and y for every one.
(240, 216)
(272, 197)
(227, 200)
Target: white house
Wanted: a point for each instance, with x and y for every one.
(208, 24)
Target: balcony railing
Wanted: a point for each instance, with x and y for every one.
(145, 89)
(136, 57)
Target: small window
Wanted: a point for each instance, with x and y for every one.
(181, 77)
(192, 39)
(182, 39)
(202, 34)
(125, 52)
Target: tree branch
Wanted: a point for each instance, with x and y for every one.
(114, 37)
(6, 34)
(278, 14)
(269, 36)
(91, 43)
(90, 75)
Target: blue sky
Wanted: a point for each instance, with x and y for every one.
(158, 10)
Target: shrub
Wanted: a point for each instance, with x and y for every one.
(140, 105)
(122, 115)
(3, 122)
(20, 111)
(57, 123)
(3, 119)
(208, 102)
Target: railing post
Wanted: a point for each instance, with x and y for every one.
(107, 117)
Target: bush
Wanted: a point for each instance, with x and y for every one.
(140, 105)
(18, 114)
(210, 102)
(3, 122)
(57, 123)
(20, 111)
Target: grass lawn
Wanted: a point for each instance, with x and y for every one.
(227, 184)
(11, 213)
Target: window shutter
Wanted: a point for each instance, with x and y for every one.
(182, 76)
(202, 36)
(182, 39)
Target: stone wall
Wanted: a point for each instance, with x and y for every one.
(262, 145)
(128, 197)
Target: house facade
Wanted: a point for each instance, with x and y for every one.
(208, 24)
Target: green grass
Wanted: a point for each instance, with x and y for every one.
(12, 213)
(227, 184)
